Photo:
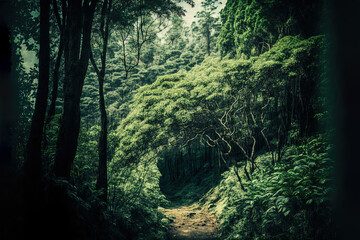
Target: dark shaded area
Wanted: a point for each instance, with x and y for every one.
(10, 196)
(60, 212)
(344, 77)
(6, 96)
(66, 213)
(32, 156)
(191, 185)
(190, 190)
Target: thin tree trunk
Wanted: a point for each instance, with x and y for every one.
(102, 173)
(55, 75)
(268, 146)
(102, 183)
(102, 147)
(252, 155)
(235, 168)
(246, 171)
(55, 83)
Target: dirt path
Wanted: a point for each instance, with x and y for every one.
(190, 223)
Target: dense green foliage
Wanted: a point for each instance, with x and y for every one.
(251, 27)
(291, 201)
(243, 108)
(231, 116)
(180, 107)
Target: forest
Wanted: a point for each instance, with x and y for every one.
(177, 119)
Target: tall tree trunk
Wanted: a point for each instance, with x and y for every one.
(79, 23)
(55, 74)
(32, 167)
(102, 177)
(33, 159)
(101, 183)
(102, 172)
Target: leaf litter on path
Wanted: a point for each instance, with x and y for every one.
(192, 223)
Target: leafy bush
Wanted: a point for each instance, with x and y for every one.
(292, 201)
(134, 199)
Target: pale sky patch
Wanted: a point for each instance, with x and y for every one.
(29, 58)
(191, 11)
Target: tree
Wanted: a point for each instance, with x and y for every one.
(207, 21)
(250, 28)
(78, 28)
(237, 106)
(55, 75)
(139, 28)
(174, 35)
(33, 157)
(104, 31)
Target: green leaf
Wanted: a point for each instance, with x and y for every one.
(286, 213)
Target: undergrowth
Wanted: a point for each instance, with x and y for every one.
(291, 200)
(135, 198)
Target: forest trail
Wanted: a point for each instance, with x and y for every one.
(191, 222)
